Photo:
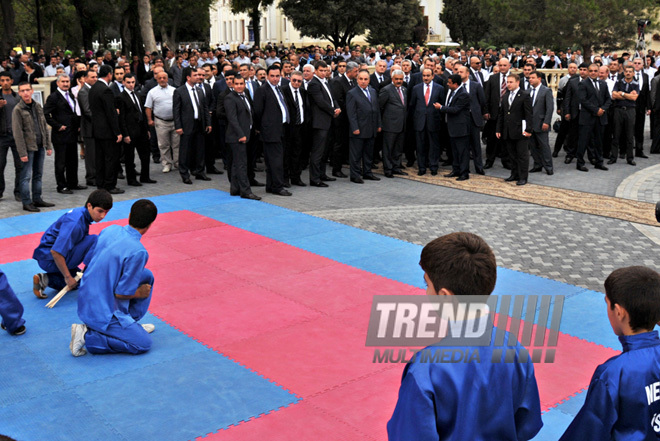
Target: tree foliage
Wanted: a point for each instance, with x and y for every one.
(465, 20)
(394, 22)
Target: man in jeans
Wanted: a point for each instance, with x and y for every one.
(31, 135)
(8, 99)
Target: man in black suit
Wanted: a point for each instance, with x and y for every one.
(117, 86)
(324, 110)
(191, 120)
(105, 128)
(475, 71)
(514, 127)
(427, 121)
(296, 99)
(594, 99)
(561, 95)
(624, 96)
(380, 78)
(478, 109)
(364, 123)
(457, 111)
(135, 132)
(206, 93)
(642, 105)
(571, 111)
(339, 86)
(272, 119)
(90, 78)
(496, 87)
(238, 114)
(63, 115)
(393, 101)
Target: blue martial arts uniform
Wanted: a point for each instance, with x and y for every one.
(477, 400)
(11, 309)
(70, 237)
(117, 267)
(623, 401)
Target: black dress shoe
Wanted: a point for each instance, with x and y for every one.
(410, 164)
(555, 154)
(434, 172)
(31, 208)
(79, 187)
(511, 179)
(488, 165)
(339, 174)
(202, 177)
(521, 182)
(463, 178)
(325, 178)
(399, 172)
(357, 180)
(121, 176)
(187, 181)
(611, 161)
(601, 167)
(43, 204)
(446, 163)
(536, 169)
(282, 192)
(582, 168)
(389, 175)
(631, 162)
(568, 160)
(298, 182)
(213, 171)
(64, 191)
(640, 154)
(287, 185)
(148, 181)
(134, 184)
(255, 183)
(421, 173)
(318, 184)
(480, 171)
(234, 193)
(451, 175)
(252, 196)
(370, 178)
(116, 191)
(550, 172)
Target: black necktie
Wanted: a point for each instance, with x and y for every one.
(247, 104)
(295, 97)
(137, 104)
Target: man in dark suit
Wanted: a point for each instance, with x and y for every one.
(478, 109)
(642, 105)
(427, 121)
(514, 126)
(542, 107)
(324, 110)
(393, 101)
(239, 118)
(296, 99)
(90, 78)
(339, 86)
(135, 132)
(105, 128)
(571, 111)
(594, 99)
(191, 120)
(475, 71)
(561, 95)
(380, 78)
(272, 119)
(457, 110)
(364, 123)
(496, 87)
(206, 93)
(63, 115)
(117, 86)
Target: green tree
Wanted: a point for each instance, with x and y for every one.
(465, 21)
(181, 21)
(394, 22)
(253, 9)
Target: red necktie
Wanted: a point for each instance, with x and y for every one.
(427, 94)
(401, 95)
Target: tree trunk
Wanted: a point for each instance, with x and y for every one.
(9, 26)
(85, 24)
(146, 25)
(125, 33)
(255, 15)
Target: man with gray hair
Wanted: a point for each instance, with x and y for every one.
(308, 74)
(340, 86)
(393, 101)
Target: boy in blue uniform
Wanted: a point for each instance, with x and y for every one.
(475, 400)
(67, 243)
(11, 310)
(115, 291)
(623, 400)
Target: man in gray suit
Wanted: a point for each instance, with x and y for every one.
(393, 101)
(542, 108)
(364, 123)
(90, 78)
(478, 108)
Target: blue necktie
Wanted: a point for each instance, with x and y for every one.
(281, 98)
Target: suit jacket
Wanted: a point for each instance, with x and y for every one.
(291, 103)
(238, 117)
(115, 89)
(492, 92)
(474, 75)
(207, 94)
(132, 121)
(542, 108)
(85, 113)
(571, 104)
(58, 113)
(339, 87)
(105, 122)
(392, 109)
(643, 101)
(373, 81)
(184, 112)
(363, 114)
(458, 113)
(478, 107)
(591, 100)
(219, 86)
(323, 109)
(510, 122)
(141, 73)
(655, 89)
(268, 114)
(254, 85)
(426, 116)
(416, 79)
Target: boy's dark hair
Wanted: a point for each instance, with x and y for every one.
(637, 290)
(143, 213)
(100, 198)
(463, 263)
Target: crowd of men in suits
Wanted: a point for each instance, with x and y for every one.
(317, 108)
